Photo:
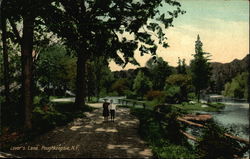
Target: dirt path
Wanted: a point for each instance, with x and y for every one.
(90, 137)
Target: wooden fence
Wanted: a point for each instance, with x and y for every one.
(133, 102)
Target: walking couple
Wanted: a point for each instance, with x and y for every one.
(109, 108)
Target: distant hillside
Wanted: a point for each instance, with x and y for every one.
(223, 73)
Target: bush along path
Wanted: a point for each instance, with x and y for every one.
(90, 137)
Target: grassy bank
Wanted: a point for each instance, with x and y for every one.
(185, 106)
(190, 107)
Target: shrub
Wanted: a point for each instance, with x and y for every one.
(172, 94)
(151, 95)
(191, 96)
(45, 118)
(113, 94)
(152, 131)
(168, 121)
(214, 144)
(172, 151)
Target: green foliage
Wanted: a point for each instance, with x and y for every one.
(45, 120)
(14, 69)
(191, 107)
(89, 28)
(200, 68)
(179, 80)
(167, 115)
(106, 21)
(130, 94)
(159, 70)
(172, 93)
(183, 81)
(46, 117)
(141, 84)
(153, 103)
(214, 144)
(2, 99)
(151, 130)
(120, 86)
(181, 68)
(172, 151)
(99, 76)
(238, 87)
(191, 96)
(55, 70)
(151, 95)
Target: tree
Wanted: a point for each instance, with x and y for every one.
(181, 68)
(102, 25)
(141, 84)
(183, 82)
(5, 55)
(200, 68)
(120, 86)
(98, 73)
(55, 70)
(238, 87)
(26, 11)
(26, 42)
(159, 71)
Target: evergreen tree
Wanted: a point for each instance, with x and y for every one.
(200, 68)
(181, 68)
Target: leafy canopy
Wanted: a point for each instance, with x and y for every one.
(115, 27)
(141, 84)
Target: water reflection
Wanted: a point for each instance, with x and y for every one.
(235, 115)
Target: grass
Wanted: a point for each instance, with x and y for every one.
(129, 106)
(185, 106)
(92, 100)
(148, 104)
(190, 107)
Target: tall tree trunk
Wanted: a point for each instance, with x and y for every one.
(198, 95)
(27, 62)
(5, 59)
(80, 81)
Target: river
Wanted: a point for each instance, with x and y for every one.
(235, 115)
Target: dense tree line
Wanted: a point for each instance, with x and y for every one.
(238, 87)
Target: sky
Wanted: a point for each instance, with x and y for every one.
(223, 26)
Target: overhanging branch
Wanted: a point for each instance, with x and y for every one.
(15, 31)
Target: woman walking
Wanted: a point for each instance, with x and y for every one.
(105, 112)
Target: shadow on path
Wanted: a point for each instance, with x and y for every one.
(90, 137)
